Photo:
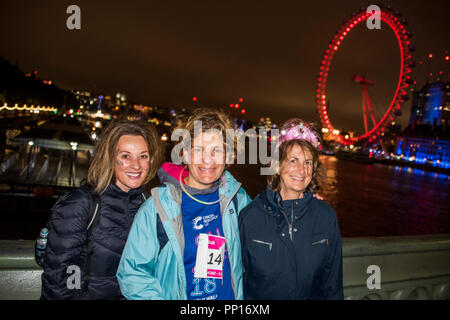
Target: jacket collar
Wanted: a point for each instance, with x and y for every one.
(171, 196)
(113, 187)
(273, 203)
(169, 174)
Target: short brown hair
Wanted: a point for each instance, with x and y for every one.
(101, 170)
(211, 119)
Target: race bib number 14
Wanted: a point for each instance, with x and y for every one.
(210, 255)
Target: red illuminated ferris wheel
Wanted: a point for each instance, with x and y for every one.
(397, 25)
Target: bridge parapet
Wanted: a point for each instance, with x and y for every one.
(410, 267)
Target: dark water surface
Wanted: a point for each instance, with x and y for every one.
(375, 199)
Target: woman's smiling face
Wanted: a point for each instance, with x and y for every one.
(296, 172)
(207, 161)
(132, 162)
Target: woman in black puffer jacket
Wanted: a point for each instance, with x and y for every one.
(81, 264)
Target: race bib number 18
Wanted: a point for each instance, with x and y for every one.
(210, 255)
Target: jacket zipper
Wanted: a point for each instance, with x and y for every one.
(290, 235)
(93, 216)
(233, 284)
(292, 220)
(229, 201)
(128, 211)
(287, 220)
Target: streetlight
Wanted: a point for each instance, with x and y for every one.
(74, 145)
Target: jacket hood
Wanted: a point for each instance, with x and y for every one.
(169, 173)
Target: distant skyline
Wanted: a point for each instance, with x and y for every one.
(268, 53)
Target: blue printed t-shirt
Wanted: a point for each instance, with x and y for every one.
(200, 218)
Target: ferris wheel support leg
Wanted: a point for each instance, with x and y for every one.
(372, 115)
(369, 103)
(364, 111)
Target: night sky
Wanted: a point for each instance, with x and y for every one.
(267, 52)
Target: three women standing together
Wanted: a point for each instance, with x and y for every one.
(193, 239)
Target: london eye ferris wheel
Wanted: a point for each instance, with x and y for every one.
(375, 129)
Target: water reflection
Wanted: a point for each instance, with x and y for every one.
(379, 200)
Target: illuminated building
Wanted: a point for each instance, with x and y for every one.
(425, 151)
(84, 97)
(427, 139)
(121, 99)
(431, 104)
(265, 123)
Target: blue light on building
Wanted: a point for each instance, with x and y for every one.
(434, 104)
(425, 151)
(426, 140)
(431, 104)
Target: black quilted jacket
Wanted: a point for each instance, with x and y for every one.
(67, 245)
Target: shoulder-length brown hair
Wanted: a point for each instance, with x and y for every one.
(274, 181)
(101, 170)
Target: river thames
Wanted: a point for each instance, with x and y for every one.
(369, 199)
(376, 199)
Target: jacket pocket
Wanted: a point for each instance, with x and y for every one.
(269, 244)
(321, 241)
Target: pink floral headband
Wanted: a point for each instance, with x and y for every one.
(298, 132)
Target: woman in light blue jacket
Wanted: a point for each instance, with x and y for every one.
(184, 242)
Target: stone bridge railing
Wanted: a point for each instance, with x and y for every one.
(411, 267)
(405, 267)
